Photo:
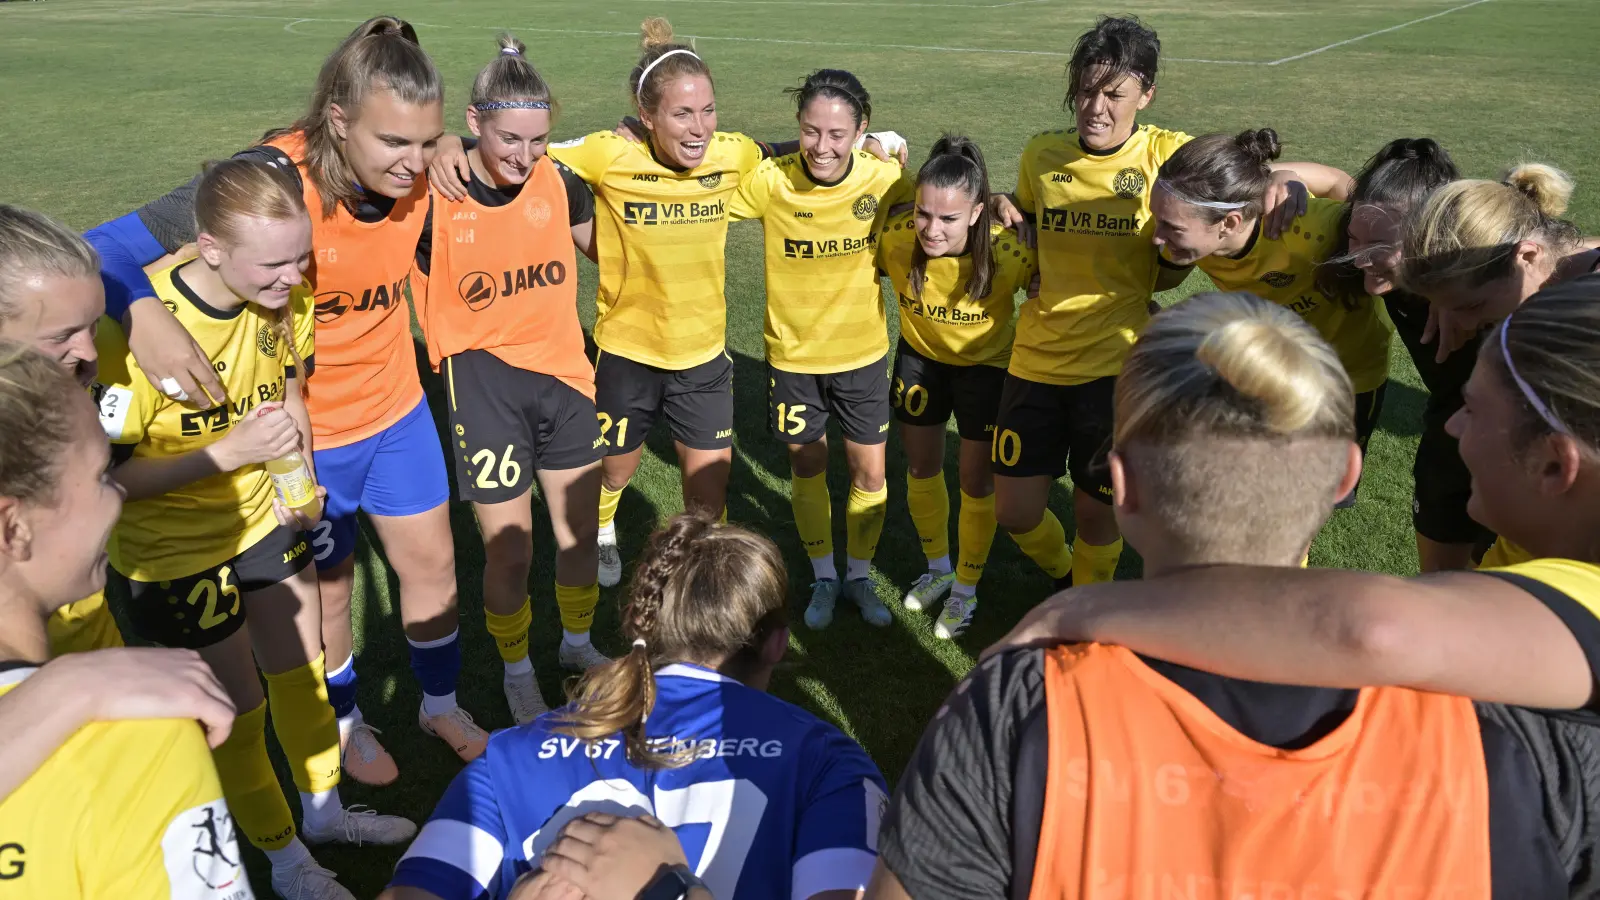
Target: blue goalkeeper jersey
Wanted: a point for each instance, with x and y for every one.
(776, 803)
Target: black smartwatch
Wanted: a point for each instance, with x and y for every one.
(673, 884)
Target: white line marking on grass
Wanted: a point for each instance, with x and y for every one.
(290, 27)
(1287, 59)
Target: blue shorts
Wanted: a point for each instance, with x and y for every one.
(397, 472)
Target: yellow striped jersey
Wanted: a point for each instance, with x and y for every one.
(945, 324)
(211, 520)
(1097, 265)
(131, 810)
(1284, 271)
(661, 235)
(824, 304)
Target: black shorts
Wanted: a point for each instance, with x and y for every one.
(1443, 485)
(1053, 429)
(205, 608)
(1368, 407)
(507, 423)
(798, 405)
(927, 392)
(630, 396)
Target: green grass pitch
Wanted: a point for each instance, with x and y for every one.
(108, 104)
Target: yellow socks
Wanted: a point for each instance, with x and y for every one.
(1094, 563)
(249, 784)
(929, 503)
(975, 526)
(609, 501)
(1046, 545)
(577, 610)
(813, 513)
(864, 513)
(510, 633)
(306, 728)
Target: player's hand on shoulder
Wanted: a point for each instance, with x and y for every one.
(144, 683)
(888, 146)
(613, 857)
(169, 356)
(629, 128)
(450, 171)
(1287, 199)
(1005, 211)
(266, 432)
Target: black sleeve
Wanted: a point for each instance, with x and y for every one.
(769, 149)
(1579, 619)
(948, 831)
(425, 240)
(580, 199)
(170, 218)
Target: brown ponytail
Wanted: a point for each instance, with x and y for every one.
(703, 592)
(956, 162)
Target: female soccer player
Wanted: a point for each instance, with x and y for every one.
(956, 273)
(123, 809)
(827, 335)
(359, 156)
(1078, 770)
(1395, 181)
(496, 287)
(1085, 191)
(767, 800)
(214, 561)
(1207, 206)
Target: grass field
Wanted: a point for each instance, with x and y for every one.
(108, 104)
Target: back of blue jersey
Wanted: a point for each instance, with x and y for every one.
(775, 802)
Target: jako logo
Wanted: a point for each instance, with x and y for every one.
(797, 249)
(477, 290)
(1060, 178)
(638, 213)
(332, 305)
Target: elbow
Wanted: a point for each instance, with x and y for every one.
(1380, 642)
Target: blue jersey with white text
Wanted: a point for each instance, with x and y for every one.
(775, 804)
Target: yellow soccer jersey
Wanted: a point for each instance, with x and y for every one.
(82, 626)
(661, 238)
(1097, 265)
(824, 304)
(1284, 271)
(946, 325)
(1503, 553)
(131, 810)
(209, 521)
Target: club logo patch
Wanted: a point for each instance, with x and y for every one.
(866, 206)
(710, 182)
(1129, 183)
(1278, 279)
(267, 342)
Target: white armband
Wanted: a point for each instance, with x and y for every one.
(891, 141)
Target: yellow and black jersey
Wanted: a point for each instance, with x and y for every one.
(945, 324)
(212, 520)
(131, 810)
(824, 305)
(1571, 590)
(1284, 271)
(1097, 265)
(661, 236)
(1503, 553)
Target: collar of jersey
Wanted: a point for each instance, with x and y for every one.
(677, 170)
(1249, 246)
(849, 167)
(194, 299)
(698, 673)
(12, 673)
(1114, 150)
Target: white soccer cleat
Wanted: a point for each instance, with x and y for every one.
(610, 563)
(522, 695)
(861, 592)
(956, 617)
(819, 612)
(359, 825)
(580, 657)
(307, 881)
(929, 590)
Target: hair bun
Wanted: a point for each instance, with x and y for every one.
(1547, 186)
(510, 46)
(1262, 144)
(1265, 361)
(655, 32)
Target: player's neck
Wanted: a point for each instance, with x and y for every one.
(1239, 243)
(208, 285)
(22, 631)
(1166, 558)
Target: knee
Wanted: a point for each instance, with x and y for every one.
(1017, 518)
(508, 554)
(977, 485)
(808, 460)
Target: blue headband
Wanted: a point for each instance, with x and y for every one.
(493, 105)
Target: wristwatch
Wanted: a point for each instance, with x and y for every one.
(673, 884)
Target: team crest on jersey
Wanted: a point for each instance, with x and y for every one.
(537, 211)
(1129, 183)
(267, 341)
(1278, 279)
(478, 290)
(866, 206)
(710, 182)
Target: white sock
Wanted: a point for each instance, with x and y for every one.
(291, 854)
(522, 666)
(823, 569)
(320, 811)
(348, 723)
(964, 591)
(574, 638)
(940, 566)
(608, 534)
(857, 569)
(438, 706)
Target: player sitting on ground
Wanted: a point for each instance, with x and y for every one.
(1085, 770)
(767, 799)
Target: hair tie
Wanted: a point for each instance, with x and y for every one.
(1206, 204)
(1527, 389)
(639, 642)
(491, 105)
(511, 51)
(638, 92)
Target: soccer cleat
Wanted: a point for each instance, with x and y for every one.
(610, 564)
(819, 612)
(457, 729)
(956, 617)
(307, 881)
(860, 592)
(928, 590)
(364, 759)
(522, 695)
(580, 657)
(359, 825)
